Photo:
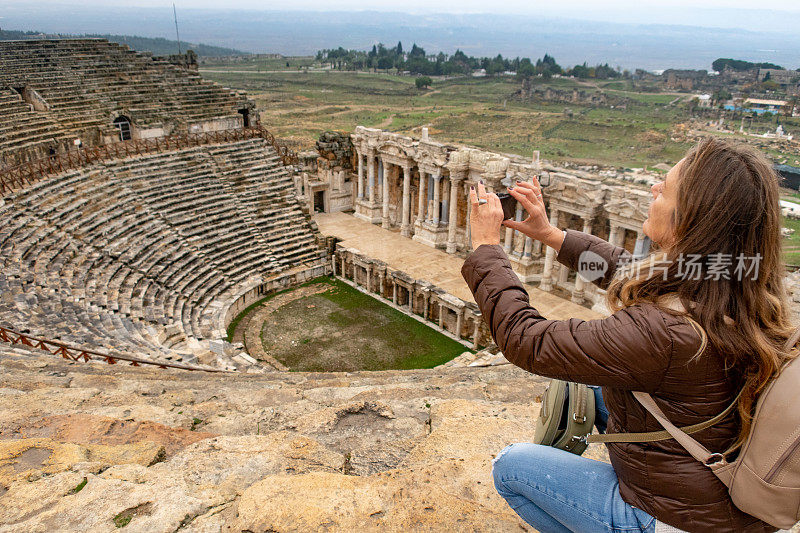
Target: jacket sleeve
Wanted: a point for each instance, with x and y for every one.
(577, 242)
(630, 349)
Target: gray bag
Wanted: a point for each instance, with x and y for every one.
(566, 416)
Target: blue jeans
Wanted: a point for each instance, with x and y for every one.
(557, 491)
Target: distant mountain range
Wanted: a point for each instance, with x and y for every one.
(158, 46)
(694, 44)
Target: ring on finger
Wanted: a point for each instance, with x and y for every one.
(482, 201)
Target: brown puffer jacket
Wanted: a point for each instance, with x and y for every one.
(638, 348)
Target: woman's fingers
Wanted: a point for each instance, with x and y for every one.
(528, 203)
(532, 190)
(481, 190)
(473, 197)
(513, 224)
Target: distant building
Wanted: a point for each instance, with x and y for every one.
(760, 106)
(781, 77)
(684, 79)
(704, 99)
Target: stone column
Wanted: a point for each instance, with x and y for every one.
(445, 203)
(437, 178)
(526, 251)
(638, 249)
(546, 284)
(476, 333)
(612, 233)
(394, 293)
(563, 274)
(360, 175)
(426, 298)
(371, 163)
(508, 240)
(411, 300)
(441, 316)
(429, 200)
(369, 278)
(405, 227)
(577, 294)
(646, 245)
(385, 218)
(381, 277)
(518, 218)
(422, 193)
(343, 272)
(459, 322)
(452, 217)
(537, 248)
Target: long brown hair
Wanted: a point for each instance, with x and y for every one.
(728, 202)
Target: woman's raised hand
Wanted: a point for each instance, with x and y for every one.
(487, 214)
(537, 224)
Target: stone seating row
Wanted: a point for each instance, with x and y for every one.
(86, 83)
(140, 252)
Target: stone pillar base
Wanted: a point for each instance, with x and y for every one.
(527, 269)
(367, 211)
(452, 247)
(405, 230)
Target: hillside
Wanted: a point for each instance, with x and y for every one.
(157, 46)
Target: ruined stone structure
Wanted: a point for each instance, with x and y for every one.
(327, 185)
(575, 96)
(453, 316)
(150, 255)
(56, 94)
(420, 187)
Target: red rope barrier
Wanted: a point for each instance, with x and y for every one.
(65, 351)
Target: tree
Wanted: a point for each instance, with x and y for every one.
(525, 70)
(423, 82)
(399, 48)
(416, 52)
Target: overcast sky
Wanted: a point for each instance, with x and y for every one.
(567, 7)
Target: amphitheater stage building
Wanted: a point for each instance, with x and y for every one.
(430, 264)
(418, 187)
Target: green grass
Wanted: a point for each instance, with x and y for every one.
(78, 487)
(791, 245)
(482, 112)
(343, 329)
(238, 318)
(122, 520)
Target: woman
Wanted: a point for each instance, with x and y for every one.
(720, 202)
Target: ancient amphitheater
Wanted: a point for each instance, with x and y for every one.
(144, 209)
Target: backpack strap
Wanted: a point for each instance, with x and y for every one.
(654, 436)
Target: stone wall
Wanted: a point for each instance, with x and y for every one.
(452, 316)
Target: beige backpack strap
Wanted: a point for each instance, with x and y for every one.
(697, 450)
(792, 340)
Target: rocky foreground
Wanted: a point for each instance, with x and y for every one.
(94, 447)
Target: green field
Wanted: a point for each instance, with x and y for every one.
(343, 329)
(482, 112)
(300, 100)
(487, 113)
